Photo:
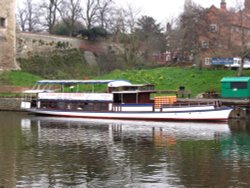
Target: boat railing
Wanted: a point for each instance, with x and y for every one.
(181, 93)
(118, 107)
(190, 104)
(74, 106)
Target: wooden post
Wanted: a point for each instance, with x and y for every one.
(248, 113)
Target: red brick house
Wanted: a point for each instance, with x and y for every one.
(227, 34)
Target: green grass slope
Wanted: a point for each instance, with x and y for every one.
(18, 78)
(171, 78)
(164, 78)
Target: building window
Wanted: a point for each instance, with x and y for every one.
(213, 28)
(235, 29)
(204, 44)
(207, 61)
(2, 22)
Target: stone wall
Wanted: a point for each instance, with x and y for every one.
(7, 35)
(10, 104)
(30, 44)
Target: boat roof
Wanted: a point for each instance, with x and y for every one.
(75, 81)
(34, 91)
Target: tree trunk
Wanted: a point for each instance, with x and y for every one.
(198, 61)
(240, 71)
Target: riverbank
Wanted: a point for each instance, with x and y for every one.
(10, 104)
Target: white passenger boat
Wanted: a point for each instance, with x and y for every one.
(121, 100)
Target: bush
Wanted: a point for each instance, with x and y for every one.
(94, 33)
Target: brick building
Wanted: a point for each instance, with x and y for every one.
(227, 34)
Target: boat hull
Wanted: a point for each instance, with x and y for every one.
(195, 115)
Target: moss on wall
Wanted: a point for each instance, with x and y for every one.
(66, 64)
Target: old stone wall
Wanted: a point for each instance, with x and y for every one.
(30, 44)
(7, 35)
(10, 104)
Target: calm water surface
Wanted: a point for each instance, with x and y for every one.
(60, 152)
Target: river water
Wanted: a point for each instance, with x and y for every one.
(62, 152)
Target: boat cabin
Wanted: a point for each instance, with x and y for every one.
(59, 94)
(132, 94)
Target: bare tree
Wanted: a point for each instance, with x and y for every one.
(29, 17)
(22, 18)
(119, 24)
(132, 17)
(33, 16)
(49, 12)
(172, 34)
(90, 13)
(70, 11)
(104, 11)
(192, 24)
(124, 19)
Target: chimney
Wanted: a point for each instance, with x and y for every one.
(223, 5)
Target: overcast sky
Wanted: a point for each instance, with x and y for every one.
(165, 10)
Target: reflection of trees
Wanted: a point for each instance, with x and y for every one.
(101, 155)
(65, 155)
(196, 162)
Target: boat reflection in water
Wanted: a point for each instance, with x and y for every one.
(114, 153)
(154, 132)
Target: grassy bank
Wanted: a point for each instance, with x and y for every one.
(18, 78)
(165, 78)
(171, 78)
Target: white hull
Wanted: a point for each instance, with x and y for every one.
(191, 115)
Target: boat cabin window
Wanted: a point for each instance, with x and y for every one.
(125, 98)
(118, 98)
(136, 98)
(48, 104)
